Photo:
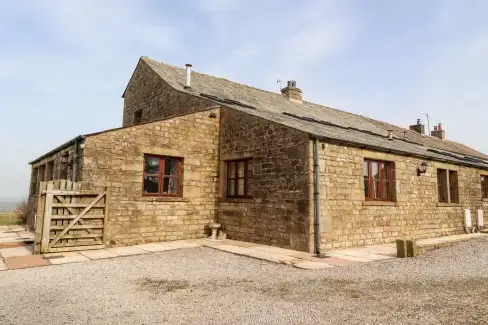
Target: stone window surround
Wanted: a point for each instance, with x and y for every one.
(484, 194)
(165, 152)
(383, 202)
(236, 178)
(447, 189)
(223, 176)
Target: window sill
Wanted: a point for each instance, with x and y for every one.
(380, 203)
(236, 200)
(449, 205)
(161, 199)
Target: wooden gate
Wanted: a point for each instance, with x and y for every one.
(70, 217)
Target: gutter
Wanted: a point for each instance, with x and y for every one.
(316, 196)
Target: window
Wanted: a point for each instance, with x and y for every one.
(239, 174)
(137, 116)
(447, 186)
(484, 186)
(162, 176)
(378, 180)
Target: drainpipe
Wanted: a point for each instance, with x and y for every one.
(316, 196)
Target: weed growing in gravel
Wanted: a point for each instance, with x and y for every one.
(162, 285)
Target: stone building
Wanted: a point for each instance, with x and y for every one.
(195, 148)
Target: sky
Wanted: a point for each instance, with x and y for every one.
(64, 64)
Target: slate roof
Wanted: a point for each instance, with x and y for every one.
(318, 120)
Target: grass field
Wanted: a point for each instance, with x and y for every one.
(7, 218)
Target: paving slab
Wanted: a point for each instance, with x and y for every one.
(15, 251)
(25, 234)
(12, 239)
(338, 261)
(97, 254)
(361, 253)
(127, 251)
(23, 262)
(180, 244)
(8, 234)
(4, 228)
(3, 266)
(240, 243)
(309, 265)
(64, 258)
(348, 257)
(16, 228)
(234, 249)
(154, 247)
(11, 244)
(275, 250)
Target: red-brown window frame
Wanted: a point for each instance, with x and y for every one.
(484, 186)
(161, 176)
(389, 171)
(236, 178)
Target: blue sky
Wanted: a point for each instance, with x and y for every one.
(65, 64)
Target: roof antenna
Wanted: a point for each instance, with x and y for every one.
(278, 81)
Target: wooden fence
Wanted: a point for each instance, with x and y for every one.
(70, 217)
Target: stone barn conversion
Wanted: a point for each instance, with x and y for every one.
(271, 168)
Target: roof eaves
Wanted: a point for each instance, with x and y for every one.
(59, 148)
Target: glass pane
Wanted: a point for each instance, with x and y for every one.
(170, 185)
(231, 170)
(171, 166)
(366, 169)
(151, 165)
(385, 190)
(240, 187)
(231, 190)
(384, 171)
(151, 184)
(366, 187)
(376, 189)
(240, 169)
(374, 170)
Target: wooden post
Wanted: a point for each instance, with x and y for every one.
(46, 229)
(40, 217)
(105, 220)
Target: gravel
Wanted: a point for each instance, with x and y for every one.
(202, 285)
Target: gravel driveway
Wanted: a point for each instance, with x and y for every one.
(202, 285)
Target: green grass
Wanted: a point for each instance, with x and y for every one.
(8, 218)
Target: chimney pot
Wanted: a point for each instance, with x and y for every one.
(188, 76)
(439, 132)
(289, 84)
(418, 121)
(390, 134)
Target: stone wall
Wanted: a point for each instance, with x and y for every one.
(151, 94)
(278, 212)
(348, 220)
(116, 158)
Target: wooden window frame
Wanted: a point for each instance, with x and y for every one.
(389, 171)
(236, 178)
(484, 186)
(449, 186)
(161, 176)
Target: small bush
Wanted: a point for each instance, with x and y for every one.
(22, 211)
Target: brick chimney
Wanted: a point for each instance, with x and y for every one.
(292, 92)
(419, 127)
(439, 132)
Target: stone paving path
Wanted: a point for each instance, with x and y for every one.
(16, 253)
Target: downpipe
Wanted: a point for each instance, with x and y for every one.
(316, 196)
